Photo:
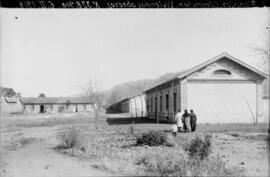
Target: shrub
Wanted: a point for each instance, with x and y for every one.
(151, 138)
(73, 139)
(161, 162)
(217, 167)
(173, 163)
(199, 148)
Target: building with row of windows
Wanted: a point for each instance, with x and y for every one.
(55, 105)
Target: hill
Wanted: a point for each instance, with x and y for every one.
(132, 88)
(6, 91)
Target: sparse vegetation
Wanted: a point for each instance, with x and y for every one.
(199, 148)
(130, 132)
(114, 146)
(73, 139)
(174, 162)
(151, 138)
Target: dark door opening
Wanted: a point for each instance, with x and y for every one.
(42, 108)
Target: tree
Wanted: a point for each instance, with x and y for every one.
(264, 54)
(68, 103)
(41, 95)
(92, 90)
(261, 49)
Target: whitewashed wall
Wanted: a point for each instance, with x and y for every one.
(137, 106)
(266, 116)
(11, 107)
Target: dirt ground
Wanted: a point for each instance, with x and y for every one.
(29, 151)
(28, 142)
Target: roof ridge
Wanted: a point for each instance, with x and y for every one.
(209, 61)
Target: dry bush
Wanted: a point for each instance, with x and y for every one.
(116, 153)
(176, 163)
(73, 139)
(151, 138)
(163, 162)
(199, 148)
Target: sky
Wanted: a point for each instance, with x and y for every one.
(55, 51)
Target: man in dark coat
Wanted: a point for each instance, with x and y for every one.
(193, 120)
(186, 121)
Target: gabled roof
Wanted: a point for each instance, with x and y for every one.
(55, 100)
(188, 72)
(222, 55)
(11, 99)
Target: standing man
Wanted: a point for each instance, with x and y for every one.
(193, 120)
(178, 120)
(186, 120)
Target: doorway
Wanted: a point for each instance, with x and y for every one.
(42, 108)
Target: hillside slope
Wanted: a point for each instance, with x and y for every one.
(132, 88)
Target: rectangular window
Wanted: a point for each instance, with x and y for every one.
(147, 105)
(160, 103)
(152, 104)
(174, 101)
(156, 106)
(167, 101)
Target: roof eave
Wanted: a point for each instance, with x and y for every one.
(208, 62)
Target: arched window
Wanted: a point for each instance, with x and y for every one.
(222, 72)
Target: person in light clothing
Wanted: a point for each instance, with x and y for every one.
(178, 120)
(174, 129)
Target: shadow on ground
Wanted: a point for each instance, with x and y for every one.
(129, 120)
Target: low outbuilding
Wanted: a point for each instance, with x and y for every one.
(135, 106)
(56, 105)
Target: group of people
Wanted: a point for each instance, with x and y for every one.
(188, 120)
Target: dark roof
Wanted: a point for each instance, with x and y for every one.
(11, 99)
(183, 74)
(168, 79)
(7, 92)
(125, 99)
(54, 100)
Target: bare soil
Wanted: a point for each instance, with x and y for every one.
(28, 142)
(29, 152)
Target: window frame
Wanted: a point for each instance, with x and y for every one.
(174, 101)
(167, 101)
(228, 73)
(160, 102)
